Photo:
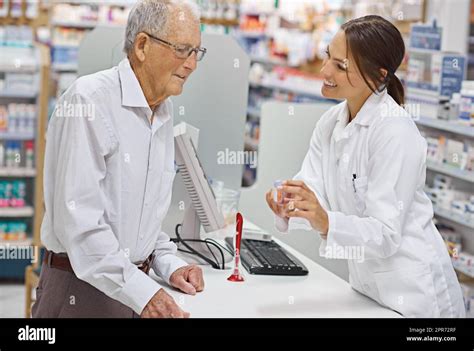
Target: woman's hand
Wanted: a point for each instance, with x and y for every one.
(301, 202)
(277, 209)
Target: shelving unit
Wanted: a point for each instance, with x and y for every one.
(32, 213)
(451, 171)
(453, 217)
(451, 127)
(67, 32)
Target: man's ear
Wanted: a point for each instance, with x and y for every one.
(141, 46)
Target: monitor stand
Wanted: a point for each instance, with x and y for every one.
(191, 230)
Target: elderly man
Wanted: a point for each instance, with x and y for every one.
(109, 175)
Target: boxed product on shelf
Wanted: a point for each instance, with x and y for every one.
(466, 103)
(75, 13)
(18, 59)
(16, 36)
(65, 55)
(433, 76)
(91, 13)
(12, 231)
(257, 7)
(452, 239)
(458, 153)
(21, 82)
(68, 36)
(17, 154)
(435, 73)
(444, 196)
(18, 118)
(12, 193)
(464, 262)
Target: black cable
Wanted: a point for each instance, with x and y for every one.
(214, 264)
(208, 241)
(212, 253)
(222, 246)
(182, 241)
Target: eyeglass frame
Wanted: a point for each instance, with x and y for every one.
(174, 47)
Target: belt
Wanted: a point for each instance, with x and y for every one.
(61, 261)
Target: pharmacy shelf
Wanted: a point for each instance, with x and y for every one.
(16, 136)
(17, 172)
(69, 24)
(18, 94)
(453, 217)
(257, 12)
(251, 35)
(452, 127)
(26, 211)
(270, 61)
(122, 3)
(295, 88)
(467, 176)
(64, 67)
(65, 46)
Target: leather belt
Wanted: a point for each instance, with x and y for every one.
(61, 261)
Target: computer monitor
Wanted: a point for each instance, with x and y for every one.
(203, 208)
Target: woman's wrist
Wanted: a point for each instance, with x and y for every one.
(325, 226)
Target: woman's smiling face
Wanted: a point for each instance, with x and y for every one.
(342, 78)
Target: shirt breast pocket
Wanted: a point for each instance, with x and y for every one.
(360, 186)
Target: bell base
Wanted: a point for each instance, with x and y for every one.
(235, 278)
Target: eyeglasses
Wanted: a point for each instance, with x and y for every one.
(182, 51)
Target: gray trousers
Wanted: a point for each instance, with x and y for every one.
(60, 294)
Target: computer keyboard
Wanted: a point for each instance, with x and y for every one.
(267, 257)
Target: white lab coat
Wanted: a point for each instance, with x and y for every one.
(384, 213)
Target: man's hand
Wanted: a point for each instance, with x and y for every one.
(188, 279)
(162, 305)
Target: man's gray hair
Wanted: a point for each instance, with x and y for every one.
(152, 16)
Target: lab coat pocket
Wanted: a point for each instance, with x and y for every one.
(360, 187)
(409, 291)
(165, 192)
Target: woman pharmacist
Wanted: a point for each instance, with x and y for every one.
(361, 182)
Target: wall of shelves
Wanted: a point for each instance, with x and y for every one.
(21, 211)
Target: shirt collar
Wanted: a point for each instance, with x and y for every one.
(365, 115)
(132, 93)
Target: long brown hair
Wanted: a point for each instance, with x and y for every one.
(376, 44)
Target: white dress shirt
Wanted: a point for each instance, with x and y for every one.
(107, 184)
(369, 176)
